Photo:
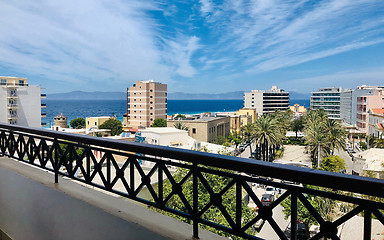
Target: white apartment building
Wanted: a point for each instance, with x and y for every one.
(146, 101)
(267, 101)
(327, 99)
(20, 103)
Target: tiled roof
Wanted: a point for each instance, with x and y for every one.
(377, 110)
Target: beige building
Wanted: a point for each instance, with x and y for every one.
(238, 121)
(205, 129)
(146, 101)
(298, 110)
(248, 112)
(95, 122)
(20, 103)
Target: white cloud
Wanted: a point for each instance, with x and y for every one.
(181, 52)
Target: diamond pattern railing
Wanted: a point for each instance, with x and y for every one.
(126, 169)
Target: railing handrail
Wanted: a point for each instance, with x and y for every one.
(356, 184)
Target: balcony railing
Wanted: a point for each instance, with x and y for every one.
(44, 149)
(12, 105)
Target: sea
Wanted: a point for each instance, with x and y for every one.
(95, 108)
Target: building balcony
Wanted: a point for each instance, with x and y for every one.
(43, 105)
(43, 114)
(152, 175)
(12, 105)
(12, 116)
(43, 95)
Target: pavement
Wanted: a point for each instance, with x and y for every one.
(295, 154)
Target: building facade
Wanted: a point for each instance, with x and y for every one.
(248, 112)
(205, 129)
(146, 101)
(327, 99)
(20, 103)
(364, 103)
(348, 101)
(95, 122)
(376, 122)
(266, 101)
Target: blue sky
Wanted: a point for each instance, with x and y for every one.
(193, 46)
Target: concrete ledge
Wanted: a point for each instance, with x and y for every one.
(34, 207)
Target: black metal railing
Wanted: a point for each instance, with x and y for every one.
(94, 161)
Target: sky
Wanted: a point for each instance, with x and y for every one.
(201, 46)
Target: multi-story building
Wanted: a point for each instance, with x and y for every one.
(376, 122)
(95, 122)
(20, 103)
(267, 101)
(364, 103)
(146, 101)
(205, 129)
(248, 112)
(348, 101)
(327, 99)
(298, 110)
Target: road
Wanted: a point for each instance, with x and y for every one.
(267, 231)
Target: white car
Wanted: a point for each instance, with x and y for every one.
(270, 190)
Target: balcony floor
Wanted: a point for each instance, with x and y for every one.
(68, 210)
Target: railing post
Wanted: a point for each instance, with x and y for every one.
(367, 224)
(293, 215)
(56, 161)
(195, 202)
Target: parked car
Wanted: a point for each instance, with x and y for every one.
(270, 190)
(302, 231)
(267, 199)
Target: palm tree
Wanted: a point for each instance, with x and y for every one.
(248, 132)
(267, 133)
(315, 138)
(180, 125)
(335, 135)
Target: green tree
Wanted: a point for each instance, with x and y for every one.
(297, 125)
(335, 135)
(248, 133)
(114, 125)
(160, 122)
(220, 140)
(234, 138)
(178, 116)
(332, 164)
(267, 133)
(180, 125)
(217, 183)
(77, 123)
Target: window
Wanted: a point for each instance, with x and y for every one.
(151, 108)
(193, 130)
(151, 90)
(151, 119)
(151, 113)
(21, 82)
(150, 102)
(134, 93)
(88, 122)
(3, 82)
(95, 123)
(150, 96)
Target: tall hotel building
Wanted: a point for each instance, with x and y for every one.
(146, 101)
(266, 101)
(327, 99)
(20, 103)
